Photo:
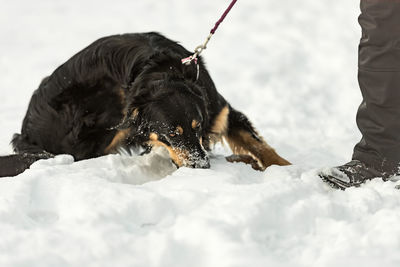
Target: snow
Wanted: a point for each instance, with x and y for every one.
(290, 65)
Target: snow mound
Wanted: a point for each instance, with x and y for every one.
(117, 211)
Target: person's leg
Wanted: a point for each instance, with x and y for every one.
(378, 117)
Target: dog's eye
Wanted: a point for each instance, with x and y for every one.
(173, 134)
(197, 129)
(178, 131)
(196, 125)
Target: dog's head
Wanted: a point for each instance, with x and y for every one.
(173, 115)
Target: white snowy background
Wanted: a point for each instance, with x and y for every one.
(290, 65)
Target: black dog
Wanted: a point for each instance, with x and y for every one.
(127, 91)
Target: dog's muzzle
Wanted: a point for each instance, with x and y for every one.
(203, 163)
(198, 158)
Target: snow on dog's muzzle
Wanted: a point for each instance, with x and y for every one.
(200, 162)
(192, 158)
(188, 154)
(198, 157)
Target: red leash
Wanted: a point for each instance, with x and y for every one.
(200, 48)
(223, 17)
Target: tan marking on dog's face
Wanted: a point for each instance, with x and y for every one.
(195, 124)
(135, 113)
(122, 96)
(179, 130)
(220, 124)
(153, 137)
(122, 99)
(179, 156)
(118, 139)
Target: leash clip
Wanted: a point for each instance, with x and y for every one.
(188, 60)
(200, 48)
(197, 51)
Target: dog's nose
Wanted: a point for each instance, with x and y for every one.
(202, 164)
(200, 160)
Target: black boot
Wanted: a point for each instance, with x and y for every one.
(351, 174)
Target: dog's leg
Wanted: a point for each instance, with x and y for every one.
(13, 165)
(27, 154)
(244, 140)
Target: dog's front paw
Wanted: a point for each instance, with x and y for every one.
(247, 159)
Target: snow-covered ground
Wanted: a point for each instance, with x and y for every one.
(289, 65)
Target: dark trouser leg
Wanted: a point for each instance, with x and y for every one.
(378, 116)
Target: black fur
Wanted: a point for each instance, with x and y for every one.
(130, 81)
